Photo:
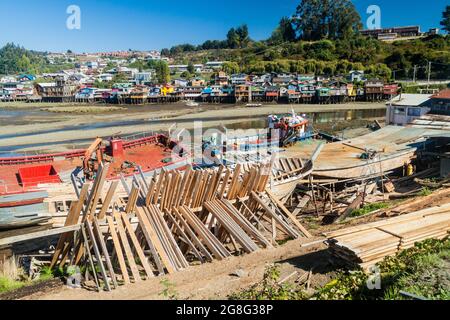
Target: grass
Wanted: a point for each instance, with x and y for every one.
(368, 209)
(168, 292)
(423, 270)
(13, 277)
(425, 192)
(7, 284)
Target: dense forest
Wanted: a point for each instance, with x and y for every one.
(15, 59)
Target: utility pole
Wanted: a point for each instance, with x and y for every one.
(415, 72)
(429, 76)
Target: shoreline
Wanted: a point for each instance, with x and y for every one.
(63, 127)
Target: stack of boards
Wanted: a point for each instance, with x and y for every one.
(166, 223)
(370, 243)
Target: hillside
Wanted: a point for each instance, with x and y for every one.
(333, 57)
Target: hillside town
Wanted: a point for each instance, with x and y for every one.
(210, 85)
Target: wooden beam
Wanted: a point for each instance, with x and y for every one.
(289, 214)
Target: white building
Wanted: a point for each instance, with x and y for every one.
(143, 77)
(214, 64)
(405, 108)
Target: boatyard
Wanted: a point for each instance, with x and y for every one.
(294, 151)
(133, 219)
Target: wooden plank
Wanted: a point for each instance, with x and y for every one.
(96, 229)
(137, 246)
(203, 233)
(108, 199)
(91, 260)
(224, 183)
(192, 235)
(127, 248)
(37, 235)
(289, 214)
(184, 236)
(158, 186)
(234, 180)
(153, 239)
(97, 254)
(273, 214)
(118, 249)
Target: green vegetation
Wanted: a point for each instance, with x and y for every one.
(15, 59)
(168, 291)
(322, 38)
(333, 19)
(13, 277)
(368, 209)
(162, 70)
(8, 284)
(422, 271)
(425, 192)
(445, 23)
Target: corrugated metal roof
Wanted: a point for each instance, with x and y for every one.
(408, 99)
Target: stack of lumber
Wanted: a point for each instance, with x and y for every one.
(193, 187)
(368, 244)
(162, 224)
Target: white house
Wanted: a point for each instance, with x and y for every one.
(238, 79)
(214, 64)
(143, 77)
(178, 68)
(8, 79)
(405, 108)
(356, 75)
(105, 77)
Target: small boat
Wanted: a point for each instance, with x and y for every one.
(254, 105)
(374, 154)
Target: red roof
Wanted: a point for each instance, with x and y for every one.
(444, 94)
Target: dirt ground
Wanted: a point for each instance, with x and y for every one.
(215, 280)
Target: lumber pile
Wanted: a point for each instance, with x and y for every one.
(166, 222)
(368, 244)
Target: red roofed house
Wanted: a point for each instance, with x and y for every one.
(440, 103)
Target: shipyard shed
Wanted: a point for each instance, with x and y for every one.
(405, 108)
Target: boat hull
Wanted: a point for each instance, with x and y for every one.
(371, 168)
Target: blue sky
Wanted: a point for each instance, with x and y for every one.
(149, 24)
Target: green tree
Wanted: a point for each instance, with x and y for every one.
(445, 23)
(191, 68)
(319, 19)
(232, 39)
(285, 32)
(243, 35)
(186, 75)
(230, 67)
